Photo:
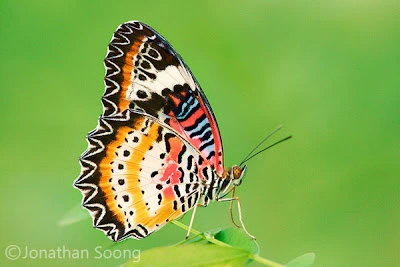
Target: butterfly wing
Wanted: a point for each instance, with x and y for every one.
(144, 72)
(156, 143)
(137, 175)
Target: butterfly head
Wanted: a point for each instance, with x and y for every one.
(237, 174)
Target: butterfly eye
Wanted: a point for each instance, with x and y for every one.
(237, 172)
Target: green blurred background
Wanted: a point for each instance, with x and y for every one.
(330, 72)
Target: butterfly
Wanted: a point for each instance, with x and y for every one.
(156, 152)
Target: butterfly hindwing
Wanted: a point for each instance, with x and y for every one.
(137, 175)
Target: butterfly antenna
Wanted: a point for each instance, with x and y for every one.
(265, 139)
(262, 150)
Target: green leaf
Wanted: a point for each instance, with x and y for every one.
(237, 238)
(74, 215)
(196, 254)
(302, 261)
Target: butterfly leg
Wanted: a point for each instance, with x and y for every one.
(231, 210)
(191, 221)
(231, 199)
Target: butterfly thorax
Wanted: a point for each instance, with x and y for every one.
(218, 187)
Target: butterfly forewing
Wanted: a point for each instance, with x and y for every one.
(145, 73)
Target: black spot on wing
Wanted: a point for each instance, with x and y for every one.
(212, 153)
(167, 143)
(181, 153)
(204, 171)
(182, 174)
(189, 162)
(190, 201)
(191, 177)
(177, 192)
